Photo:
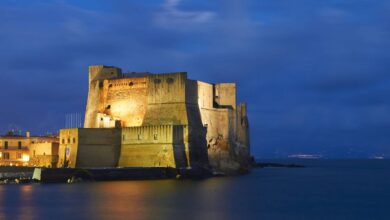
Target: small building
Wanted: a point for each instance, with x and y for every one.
(15, 148)
(44, 154)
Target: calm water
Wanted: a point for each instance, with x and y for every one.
(355, 189)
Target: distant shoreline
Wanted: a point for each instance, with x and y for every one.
(279, 165)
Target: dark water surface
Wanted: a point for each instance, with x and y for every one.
(333, 189)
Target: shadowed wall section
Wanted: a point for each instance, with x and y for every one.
(82, 147)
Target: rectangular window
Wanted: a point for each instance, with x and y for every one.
(5, 144)
(19, 156)
(6, 156)
(19, 145)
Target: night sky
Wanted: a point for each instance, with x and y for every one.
(315, 74)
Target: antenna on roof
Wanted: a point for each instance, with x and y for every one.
(73, 120)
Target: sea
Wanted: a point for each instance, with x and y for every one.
(324, 189)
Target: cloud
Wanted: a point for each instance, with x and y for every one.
(171, 16)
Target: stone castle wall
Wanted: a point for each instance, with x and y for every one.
(154, 146)
(227, 139)
(144, 146)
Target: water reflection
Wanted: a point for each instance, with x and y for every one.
(21, 195)
(118, 199)
(165, 199)
(162, 199)
(309, 193)
(25, 211)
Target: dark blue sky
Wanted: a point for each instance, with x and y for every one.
(314, 73)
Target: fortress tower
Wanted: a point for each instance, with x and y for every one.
(163, 120)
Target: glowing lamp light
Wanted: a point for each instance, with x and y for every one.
(26, 158)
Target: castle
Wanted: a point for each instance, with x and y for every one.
(158, 120)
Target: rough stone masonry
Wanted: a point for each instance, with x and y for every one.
(158, 120)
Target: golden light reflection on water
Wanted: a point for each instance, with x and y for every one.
(2, 197)
(159, 199)
(26, 209)
(120, 198)
(165, 199)
(20, 200)
(210, 194)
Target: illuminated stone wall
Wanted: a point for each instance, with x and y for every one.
(166, 100)
(67, 151)
(123, 102)
(154, 146)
